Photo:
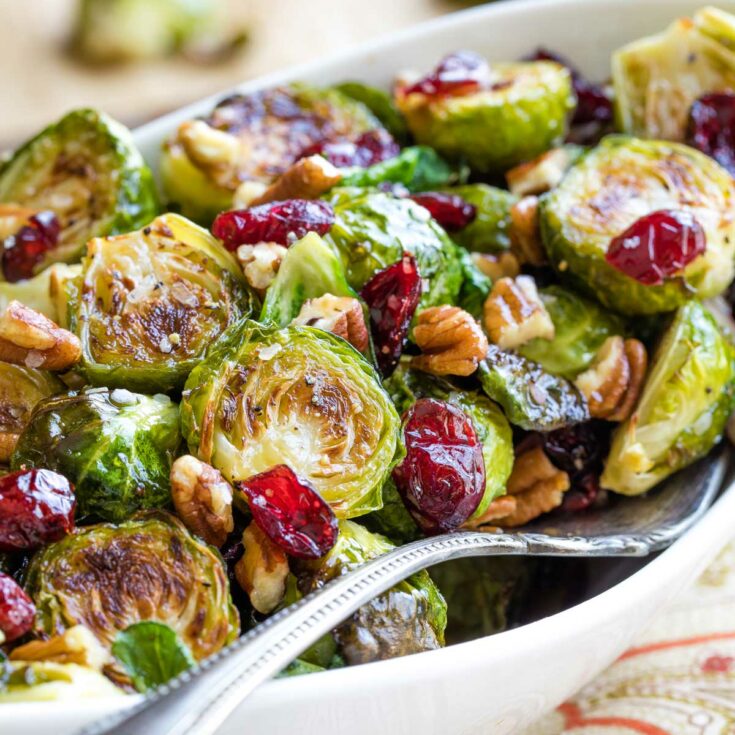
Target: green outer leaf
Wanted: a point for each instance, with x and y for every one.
(476, 286)
(686, 400)
(116, 447)
(379, 102)
(299, 667)
(531, 398)
(151, 654)
(21, 388)
(126, 189)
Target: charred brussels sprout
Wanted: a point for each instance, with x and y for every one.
(86, 169)
(522, 113)
(408, 618)
(116, 447)
(296, 396)
(683, 407)
(372, 230)
(149, 568)
(253, 137)
(150, 303)
(531, 398)
(580, 328)
(614, 185)
(656, 79)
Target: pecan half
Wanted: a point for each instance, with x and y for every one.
(262, 570)
(514, 313)
(202, 499)
(31, 339)
(499, 508)
(502, 265)
(541, 174)
(308, 178)
(341, 315)
(524, 232)
(76, 645)
(260, 263)
(451, 341)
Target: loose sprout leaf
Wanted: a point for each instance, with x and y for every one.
(151, 654)
(476, 286)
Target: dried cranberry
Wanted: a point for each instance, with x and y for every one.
(17, 611)
(36, 507)
(657, 245)
(583, 493)
(23, 251)
(366, 150)
(279, 222)
(442, 478)
(291, 512)
(462, 72)
(711, 127)
(392, 296)
(449, 210)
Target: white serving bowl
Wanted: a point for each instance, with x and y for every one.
(501, 683)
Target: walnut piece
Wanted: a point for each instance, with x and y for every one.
(262, 570)
(524, 232)
(613, 381)
(202, 499)
(541, 174)
(247, 193)
(499, 508)
(495, 267)
(341, 315)
(514, 313)
(29, 338)
(308, 178)
(451, 341)
(76, 645)
(260, 263)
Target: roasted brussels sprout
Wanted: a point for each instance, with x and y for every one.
(405, 386)
(683, 408)
(530, 397)
(408, 618)
(520, 114)
(372, 230)
(614, 185)
(297, 396)
(45, 681)
(380, 104)
(116, 447)
(86, 169)
(580, 327)
(656, 79)
(150, 303)
(41, 292)
(253, 137)
(108, 577)
(393, 519)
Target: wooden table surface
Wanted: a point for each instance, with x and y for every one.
(42, 82)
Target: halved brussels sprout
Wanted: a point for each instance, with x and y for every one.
(150, 303)
(408, 618)
(683, 408)
(253, 137)
(372, 230)
(116, 447)
(46, 681)
(656, 79)
(611, 187)
(580, 327)
(530, 397)
(297, 396)
(108, 577)
(522, 114)
(86, 169)
(380, 103)
(405, 386)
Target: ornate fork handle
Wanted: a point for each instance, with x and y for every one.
(199, 701)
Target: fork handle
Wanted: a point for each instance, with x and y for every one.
(198, 701)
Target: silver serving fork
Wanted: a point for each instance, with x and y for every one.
(198, 701)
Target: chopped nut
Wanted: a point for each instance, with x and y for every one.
(76, 645)
(503, 265)
(260, 263)
(308, 178)
(29, 338)
(499, 508)
(540, 174)
(524, 232)
(213, 150)
(341, 315)
(247, 193)
(8, 440)
(262, 570)
(514, 313)
(613, 382)
(451, 341)
(202, 498)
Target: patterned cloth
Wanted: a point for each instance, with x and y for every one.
(679, 679)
